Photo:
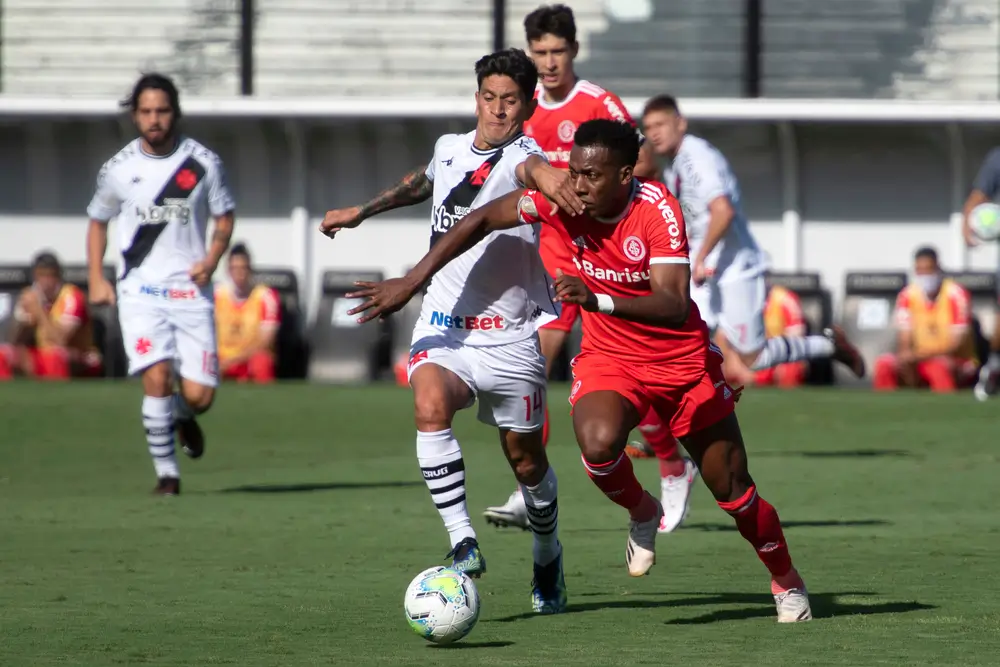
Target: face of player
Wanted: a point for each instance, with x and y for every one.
(500, 110)
(664, 131)
(48, 282)
(927, 274)
(553, 57)
(239, 272)
(154, 118)
(601, 183)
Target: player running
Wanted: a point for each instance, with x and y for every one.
(476, 337)
(564, 102)
(644, 344)
(727, 265)
(162, 187)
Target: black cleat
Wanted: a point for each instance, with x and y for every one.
(191, 437)
(167, 486)
(845, 352)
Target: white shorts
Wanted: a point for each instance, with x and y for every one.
(508, 380)
(736, 306)
(152, 332)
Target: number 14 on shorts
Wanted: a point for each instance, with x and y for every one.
(534, 403)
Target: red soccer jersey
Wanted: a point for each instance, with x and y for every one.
(613, 257)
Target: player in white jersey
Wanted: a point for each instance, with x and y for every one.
(476, 337)
(727, 265)
(162, 188)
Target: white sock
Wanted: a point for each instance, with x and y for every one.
(786, 349)
(441, 463)
(993, 362)
(158, 418)
(181, 410)
(543, 517)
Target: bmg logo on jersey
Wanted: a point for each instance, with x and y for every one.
(442, 219)
(172, 209)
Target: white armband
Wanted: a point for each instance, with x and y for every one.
(605, 304)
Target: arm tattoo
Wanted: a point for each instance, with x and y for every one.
(413, 189)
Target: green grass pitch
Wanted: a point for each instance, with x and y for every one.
(297, 533)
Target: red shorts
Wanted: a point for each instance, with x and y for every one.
(555, 255)
(686, 402)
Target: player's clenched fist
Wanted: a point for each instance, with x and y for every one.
(101, 291)
(341, 218)
(570, 289)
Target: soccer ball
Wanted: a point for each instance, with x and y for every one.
(441, 605)
(985, 222)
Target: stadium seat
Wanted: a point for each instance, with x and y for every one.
(817, 309)
(402, 326)
(292, 351)
(869, 301)
(107, 331)
(12, 280)
(343, 350)
(982, 286)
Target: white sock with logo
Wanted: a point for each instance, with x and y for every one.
(443, 468)
(158, 419)
(786, 349)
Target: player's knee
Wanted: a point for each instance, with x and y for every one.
(527, 457)
(431, 412)
(157, 380)
(600, 441)
(199, 397)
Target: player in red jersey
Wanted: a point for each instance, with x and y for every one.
(565, 101)
(645, 344)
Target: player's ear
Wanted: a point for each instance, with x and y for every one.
(682, 124)
(626, 174)
(574, 50)
(529, 108)
(477, 104)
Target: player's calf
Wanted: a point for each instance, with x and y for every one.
(193, 399)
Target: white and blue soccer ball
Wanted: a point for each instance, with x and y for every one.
(985, 221)
(441, 605)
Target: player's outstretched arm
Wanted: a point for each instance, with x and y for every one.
(388, 296)
(668, 306)
(414, 188)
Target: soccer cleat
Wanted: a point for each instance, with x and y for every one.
(512, 514)
(167, 486)
(466, 557)
(639, 450)
(548, 588)
(640, 551)
(792, 602)
(675, 493)
(191, 437)
(844, 350)
(986, 386)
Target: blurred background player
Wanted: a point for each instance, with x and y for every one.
(783, 317)
(163, 187)
(52, 337)
(476, 337)
(727, 265)
(986, 188)
(247, 317)
(935, 345)
(565, 101)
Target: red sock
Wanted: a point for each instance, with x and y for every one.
(617, 481)
(759, 525)
(545, 428)
(6, 354)
(663, 443)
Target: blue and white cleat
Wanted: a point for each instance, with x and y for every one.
(548, 588)
(466, 557)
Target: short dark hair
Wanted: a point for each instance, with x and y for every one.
(926, 251)
(618, 138)
(46, 260)
(153, 81)
(666, 103)
(240, 250)
(550, 20)
(514, 63)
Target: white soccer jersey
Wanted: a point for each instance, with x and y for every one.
(162, 204)
(497, 291)
(698, 175)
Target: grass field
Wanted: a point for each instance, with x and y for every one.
(297, 533)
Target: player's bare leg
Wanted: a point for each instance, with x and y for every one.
(721, 456)
(158, 420)
(537, 484)
(191, 400)
(514, 513)
(438, 394)
(602, 421)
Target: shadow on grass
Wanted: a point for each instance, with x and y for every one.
(731, 527)
(305, 488)
(836, 453)
(461, 644)
(824, 605)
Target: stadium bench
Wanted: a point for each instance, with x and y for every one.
(867, 315)
(817, 310)
(403, 323)
(291, 349)
(982, 286)
(12, 280)
(107, 331)
(341, 349)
